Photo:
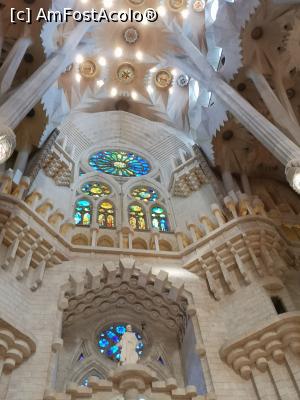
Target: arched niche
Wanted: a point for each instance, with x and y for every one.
(124, 293)
(139, 244)
(105, 241)
(80, 240)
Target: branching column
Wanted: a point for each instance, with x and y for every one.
(279, 113)
(13, 61)
(30, 92)
(286, 151)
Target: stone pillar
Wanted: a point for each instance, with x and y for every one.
(228, 181)
(17, 106)
(246, 184)
(22, 158)
(179, 238)
(155, 234)
(277, 110)
(192, 227)
(196, 65)
(13, 61)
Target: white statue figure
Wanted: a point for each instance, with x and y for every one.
(128, 345)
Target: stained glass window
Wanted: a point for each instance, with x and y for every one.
(83, 212)
(119, 163)
(106, 215)
(143, 193)
(159, 219)
(137, 219)
(96, 189)
(108, 341)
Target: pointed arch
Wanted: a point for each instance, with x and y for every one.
(83, 212)
(106, 214)
(137, 217)
(159, 218)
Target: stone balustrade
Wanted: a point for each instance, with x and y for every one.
(269, 341)
(129, 381)
(250, 236)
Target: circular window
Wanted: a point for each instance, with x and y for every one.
(119, 163)
(109, 339)
(96, 189)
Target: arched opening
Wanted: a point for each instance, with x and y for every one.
(154, 308)
(105, 241)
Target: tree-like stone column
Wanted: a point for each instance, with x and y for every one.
(13, 61)
(277, 110)
(17, 106)
(196, 65)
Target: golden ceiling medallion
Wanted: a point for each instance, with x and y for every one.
(163, 79)
(88, 69)
(199, 5)
(126, 73)
(177, 5)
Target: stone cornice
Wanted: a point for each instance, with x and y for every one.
(269, 341)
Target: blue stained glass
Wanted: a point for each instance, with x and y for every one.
(109, 338)
(159, 219)
(83, 212)
(110, 334)
(103, 343)
(85, 382)
(114, 349)
(120, 329)
(115, 339)
(119, 163)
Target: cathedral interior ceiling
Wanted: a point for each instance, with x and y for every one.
(130, 82)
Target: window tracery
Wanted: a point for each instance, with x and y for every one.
(137, 217)
(144, 193)
(119, 163)
(109, 338)
(96, 189)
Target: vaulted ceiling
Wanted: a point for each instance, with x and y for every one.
(123, 66)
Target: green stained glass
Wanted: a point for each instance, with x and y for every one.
(119, 163)
(159, 219)
(96, 189)
(146, 194)
(136, 217)
(83, 212)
